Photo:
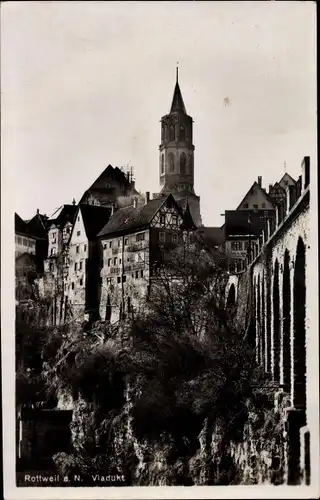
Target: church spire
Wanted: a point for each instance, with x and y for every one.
(177, 105)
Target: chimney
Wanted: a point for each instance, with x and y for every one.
(128, 176)
(135, 202)
(73, 201)
(270, 187)
(260, 180)
(147, 199)
(37, 211)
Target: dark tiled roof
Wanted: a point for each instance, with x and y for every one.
(213, 234)
(37, 226)
(19, 225)
(129, 218)
(66, 214)
(244, 222)
(94, 218)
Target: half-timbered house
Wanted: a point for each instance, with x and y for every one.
(133, 242)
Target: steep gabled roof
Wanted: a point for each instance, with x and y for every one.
(130, 218)
(94, 218)
(263, 191)
(37, 226)
(113, 173)
(65, 214)
(19, 225)
(285, 177)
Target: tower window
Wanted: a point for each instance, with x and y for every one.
(162, 164)
(182, 134)
(171, 162)
(171, 133)
(183, 162)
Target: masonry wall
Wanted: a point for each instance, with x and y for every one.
(125, 274)
(281, 326)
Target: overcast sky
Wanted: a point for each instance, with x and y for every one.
(84, 85)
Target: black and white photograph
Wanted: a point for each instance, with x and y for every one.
(159, 249)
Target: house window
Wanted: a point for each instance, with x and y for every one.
(115, 261)
(75, 266)
(78, 233)
(128, 259)
(236, 245)
(124, 278)
(140, 237)
(53, 251)
(25, 241)
(120, 261)
(81, 281)
(51, 267)
(109, 281)
(68, 230)
(78, 218)
(118, 279)
(171, 162)
(141, 273)
(161, 236)
(19, 239)
(72, 286)
(137, 274)
(255, 206)
(110, 244)
(162, 164)
(175, 238)
(162, 219)
(174, 220)
(80, 266)
(105, 246)
(246, 205)
(53, 236)
(109, 262)
(77, 249)
(126, 241)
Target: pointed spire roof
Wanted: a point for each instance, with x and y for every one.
(177, 101)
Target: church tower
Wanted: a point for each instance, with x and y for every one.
(176, 162)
